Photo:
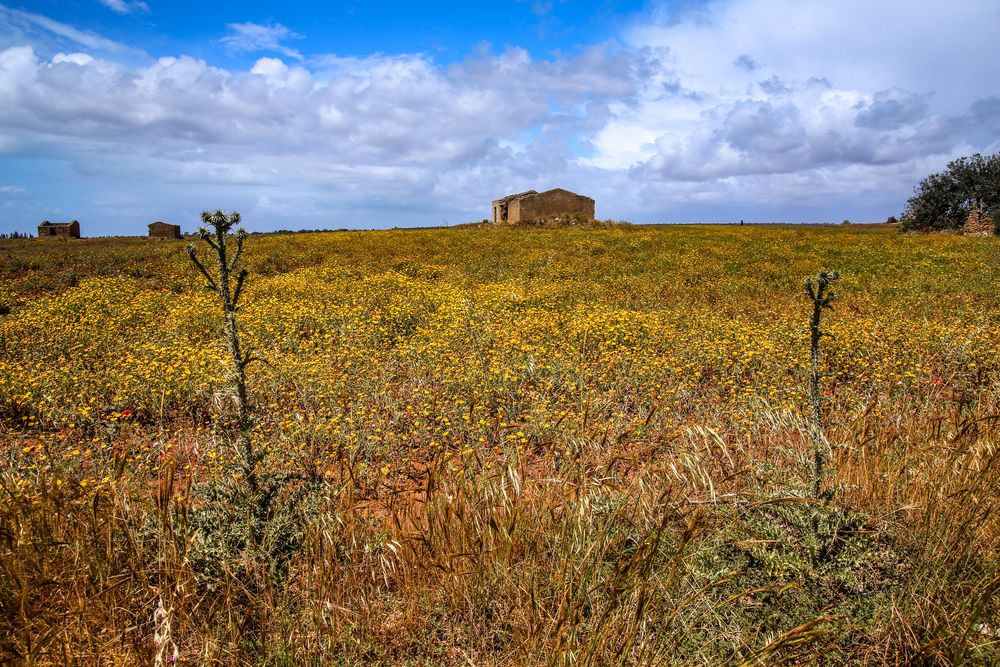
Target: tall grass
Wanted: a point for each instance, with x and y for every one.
(692, 552)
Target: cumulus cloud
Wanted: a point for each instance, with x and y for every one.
(398, 129)
(774, 86)
(381, 109)
(126, 6)
(804, 90)
(253, 37)
(892, 109)
(986, 115)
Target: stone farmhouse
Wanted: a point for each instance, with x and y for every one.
(164, 230)
(532, 205)
(66, 230)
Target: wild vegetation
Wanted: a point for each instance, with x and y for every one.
(503, 447)
(944, 200)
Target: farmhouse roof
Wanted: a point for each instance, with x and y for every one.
(508, 198)
(528, 193)
(47, 223)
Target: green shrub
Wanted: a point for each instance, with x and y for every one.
(943, 200)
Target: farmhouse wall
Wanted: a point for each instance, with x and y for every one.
(533, 205)
(66, 230)
(163, 230)
(554, 202)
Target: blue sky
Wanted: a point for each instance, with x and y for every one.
(447, 31)
(377, 114)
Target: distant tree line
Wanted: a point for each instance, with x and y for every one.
(944, 200)
(300, 231)
(15, 235)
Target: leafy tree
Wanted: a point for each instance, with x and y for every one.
(943, 200)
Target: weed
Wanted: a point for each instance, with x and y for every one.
(822, 297)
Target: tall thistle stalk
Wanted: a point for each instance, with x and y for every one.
(256, 520)
(228, 284)
(822, 296)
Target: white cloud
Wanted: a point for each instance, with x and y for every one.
(254, 37)
(12, 190)
(378, 110)
(75, 58)
(755, 87)
(126, 6)
(382, 131)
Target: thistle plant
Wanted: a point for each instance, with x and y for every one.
(822, 296)
(227, 249)
(257, 518)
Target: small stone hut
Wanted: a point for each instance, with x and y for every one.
(978, 223)
(532, 205)
(164, 230)
(66, 230)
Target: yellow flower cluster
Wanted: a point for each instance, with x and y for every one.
(387, 346)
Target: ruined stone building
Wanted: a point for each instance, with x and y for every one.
(164, 230)
(532, 205)
(66, 230)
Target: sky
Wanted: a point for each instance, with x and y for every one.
(376, 114)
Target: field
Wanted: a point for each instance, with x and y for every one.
(503, 447)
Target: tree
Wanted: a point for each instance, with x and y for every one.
(943, 200)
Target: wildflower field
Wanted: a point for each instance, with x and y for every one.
(504, 447)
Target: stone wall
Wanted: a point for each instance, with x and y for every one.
(514, 210)
(66, 230)
(164, 230)
(553, 202)
(978, 223)
(533, 206)
(501, 207)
